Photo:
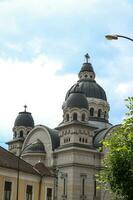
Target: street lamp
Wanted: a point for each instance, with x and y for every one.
(115, 37)
(18, 167)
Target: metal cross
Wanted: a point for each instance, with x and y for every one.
(87, 57)
(25, 106)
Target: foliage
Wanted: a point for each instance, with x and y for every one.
(117, 172)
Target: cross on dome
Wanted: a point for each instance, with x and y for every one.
(87, 57)
(25, 107)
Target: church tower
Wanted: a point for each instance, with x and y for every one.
(98, 106)
(24, 123)
(85, 114)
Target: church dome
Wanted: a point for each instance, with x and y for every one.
(77, 100)
(87, 84)
(24, 119)
(88, 87)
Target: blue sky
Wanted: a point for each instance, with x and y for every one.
(42, 47)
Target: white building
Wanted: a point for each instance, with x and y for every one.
(71, 149)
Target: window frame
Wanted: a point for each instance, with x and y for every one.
(46, 188)
(32, 191)
(91, 112)
(10, 181)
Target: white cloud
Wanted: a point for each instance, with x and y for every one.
(36, 84)
(13, 46)
(124, 89)
(65, 27)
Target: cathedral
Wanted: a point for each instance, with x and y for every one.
(70, 151)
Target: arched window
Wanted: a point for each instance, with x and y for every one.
(21, 133)
(86, 140)
(15, 134)
(83, 117)
(80, 139)
(75, 116)
(105, 114)
(91, 112)
(99, 112)
(67, 117)
(83, 140)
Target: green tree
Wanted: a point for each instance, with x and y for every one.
(117, 172)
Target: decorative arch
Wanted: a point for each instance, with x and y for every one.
(83, 117)
(75, 116)
(67, 117)
(105, 115)
(21, 133)
(99, 112)
(40, 132)
(91, 112)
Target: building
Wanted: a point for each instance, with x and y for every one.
(71, 149)
(19, 180)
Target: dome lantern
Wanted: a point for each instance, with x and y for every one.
(87, 72)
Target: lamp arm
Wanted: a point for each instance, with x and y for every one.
(122, 36)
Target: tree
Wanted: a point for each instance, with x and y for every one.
(117, 171)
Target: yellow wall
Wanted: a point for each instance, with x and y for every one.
(24, 180)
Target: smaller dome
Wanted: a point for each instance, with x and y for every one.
(77, 100)
(87, 67)
(24, 119)
(36, 147)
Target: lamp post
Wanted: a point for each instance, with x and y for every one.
(18, 168)
(116, 37)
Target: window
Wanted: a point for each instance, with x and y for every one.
(95, 188)
(83, 117)
(7, 190)
(65, 186)
(105, 114)
(64, 177)
(99, 113)
(80, 139)
(15, 134)
(21, 133)
(83, 180)
(29, 192)
(91, 112)
(49, 194)
(83, 186)
(75, 116)
(86, 140)
(67, 117)
(83, 140)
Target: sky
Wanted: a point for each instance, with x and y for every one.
(42, 48)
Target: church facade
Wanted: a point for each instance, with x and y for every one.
(70, 150)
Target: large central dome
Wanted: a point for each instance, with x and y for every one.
(87, 84)
(88, 87)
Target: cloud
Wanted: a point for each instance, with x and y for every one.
(124, 89)
(42, 40)
(35, 83)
